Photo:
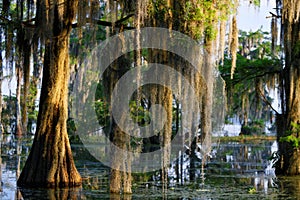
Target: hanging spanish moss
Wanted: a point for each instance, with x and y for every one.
(229, 39)
(222, 35)
(8, 31)
(120, 178)
(234, 45)
(274, 34)
(258, 108)
(139, 20)
(245, 108)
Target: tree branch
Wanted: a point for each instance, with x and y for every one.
(124, 19)
(273, 15)
(29, 23)
(266, 100)
(117, 23)
(4, 19)
(250, 76)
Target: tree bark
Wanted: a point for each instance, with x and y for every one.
(289, 161)
(26, 84)
(120, 178)
(50, 162)
(18, 128)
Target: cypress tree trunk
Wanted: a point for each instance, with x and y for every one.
(19, 67)
(26, 83)
(120, 178)
(289, 162)
(50, 162)
(18, 130)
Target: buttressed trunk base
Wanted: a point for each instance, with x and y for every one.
(50, 162)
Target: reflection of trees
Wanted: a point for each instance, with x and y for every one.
(1, 139)
(18, 157)
(53, 194)
(242, 158)
(119, 197)
(242, 163)
(13, 151)
(290, 186)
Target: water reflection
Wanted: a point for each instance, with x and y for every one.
(249, 162)
(289, 187)
(234, 170)
(120, 197)
(55, 194)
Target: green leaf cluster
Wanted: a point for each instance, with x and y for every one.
(102, 111)
(139, 114)
(205, 14)
(292, 135)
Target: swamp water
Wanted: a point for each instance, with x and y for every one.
(235, 170)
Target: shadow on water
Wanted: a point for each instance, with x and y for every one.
(235, 170)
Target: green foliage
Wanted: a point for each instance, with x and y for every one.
(143, 177)
(292, 136)
(71, 126)
(33, 115)
(245, 76)
(135, 143)
(297, 48)
(259, 123)
(159, 10)
(252, 191)
(291, 139)
(139, 114)
(256, 67)
(101, 106)
(205, 14)
(248, 70)
(31, 105)
(102, 111)
(256, 2)
(81, 46)
(254, 128)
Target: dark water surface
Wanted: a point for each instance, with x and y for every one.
(234, 171)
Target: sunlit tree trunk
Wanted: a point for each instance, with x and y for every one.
(50, 162)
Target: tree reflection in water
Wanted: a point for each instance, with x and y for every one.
(233, 171)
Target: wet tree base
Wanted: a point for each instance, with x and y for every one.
(294, 167)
